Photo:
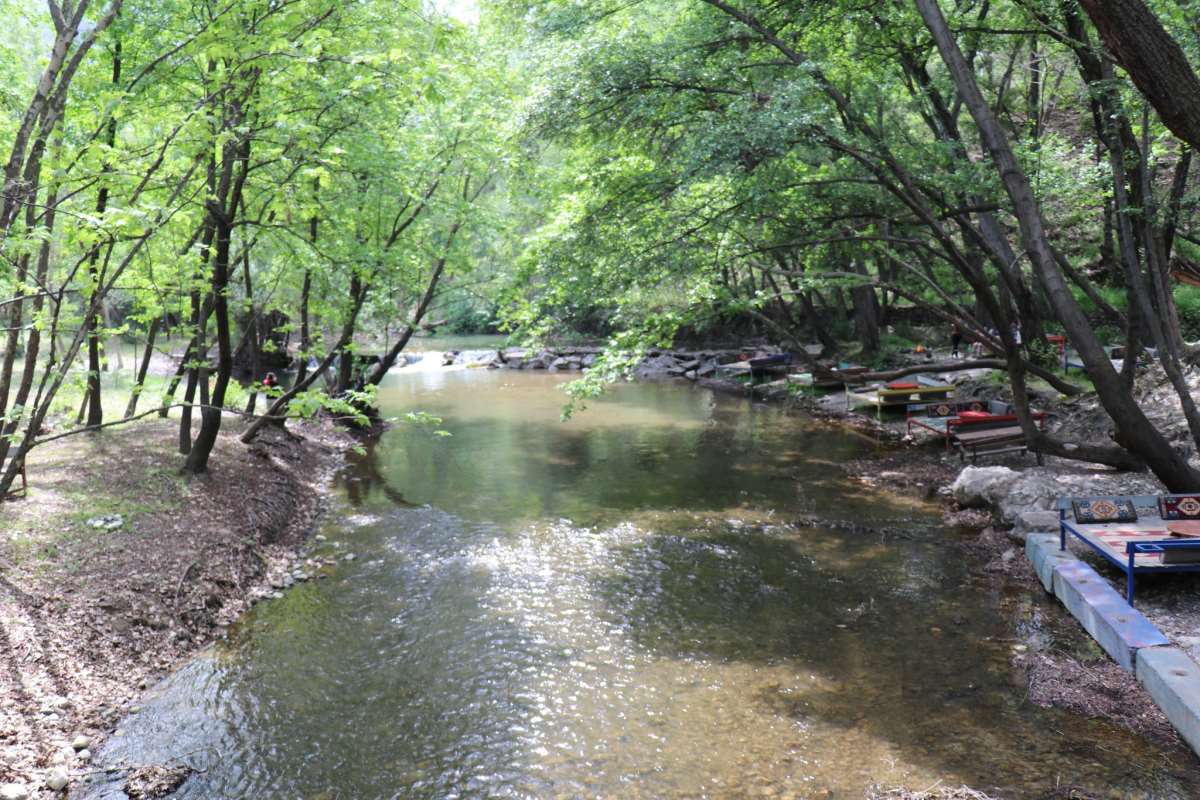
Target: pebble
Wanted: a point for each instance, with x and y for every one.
(320, 537)
(84, 755)
(348, 557)
(58, 779)
(80, 742)
(14, 791)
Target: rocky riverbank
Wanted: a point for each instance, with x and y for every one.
(690, 364)
(116, 569)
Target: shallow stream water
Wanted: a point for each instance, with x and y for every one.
(623, 605)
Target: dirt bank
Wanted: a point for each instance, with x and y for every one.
(116, 568)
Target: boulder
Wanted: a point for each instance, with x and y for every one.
(57, 780)
(982, 487)
(657, 366)
(1035, 522)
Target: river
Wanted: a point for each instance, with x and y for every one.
(623, 605)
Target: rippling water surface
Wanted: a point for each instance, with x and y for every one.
(623, 606)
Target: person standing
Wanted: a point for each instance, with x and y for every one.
(956, 337)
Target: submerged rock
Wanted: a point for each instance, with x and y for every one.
(155, 781)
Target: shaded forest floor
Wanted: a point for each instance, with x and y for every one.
(117, 567)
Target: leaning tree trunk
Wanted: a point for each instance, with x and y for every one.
(140, 380)
(1157, 64)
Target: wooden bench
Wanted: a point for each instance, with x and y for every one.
(990, 439)
(943, 417)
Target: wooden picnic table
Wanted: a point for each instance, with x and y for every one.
(990, 441)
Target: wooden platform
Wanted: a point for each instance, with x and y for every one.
(1146, 545)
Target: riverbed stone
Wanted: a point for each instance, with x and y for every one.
(981, 487)
(80, 742)
(57, 780)
(1173, 680)
(14, 791)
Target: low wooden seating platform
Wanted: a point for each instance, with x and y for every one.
(978, 428)
(1138, 534)
(901, 394)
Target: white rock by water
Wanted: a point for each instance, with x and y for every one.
(57, 780)
(981, 487)
(14, 791)
(80, 742)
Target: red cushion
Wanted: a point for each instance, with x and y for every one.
(976, 415)
(902, 385)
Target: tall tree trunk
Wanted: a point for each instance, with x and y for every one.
(305, 332)
(95, 413)
(866, 312)
(210, 413)
(140, 379)
(199, 355)
(236, 161)
(345, 373)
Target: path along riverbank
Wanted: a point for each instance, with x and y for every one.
(115, 569)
